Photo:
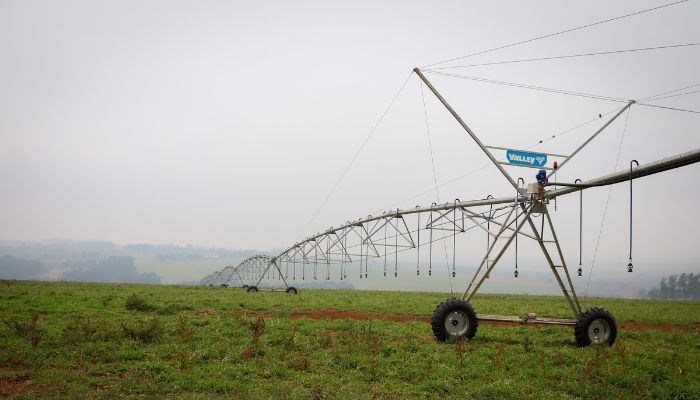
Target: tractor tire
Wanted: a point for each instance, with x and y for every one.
(595, 326)
(454, 319)
(291, 289)
(252, 289)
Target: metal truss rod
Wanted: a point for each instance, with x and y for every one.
(661, 165)
(465, 126)
(568, 293)
(473, 216)
(584, 144)
(469, 293)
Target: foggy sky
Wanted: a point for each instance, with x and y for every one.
(227, 123)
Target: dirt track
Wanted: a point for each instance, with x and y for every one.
(358, 315)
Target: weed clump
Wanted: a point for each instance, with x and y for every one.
(257, 329)
(183, 330)
(148, 330)
(299, 361)
(137, 303)
(29, 329)
(82, 329)
(172, 309)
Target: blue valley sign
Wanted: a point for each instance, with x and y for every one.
(526, 158)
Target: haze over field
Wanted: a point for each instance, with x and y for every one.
(63, 260)
(227, 124)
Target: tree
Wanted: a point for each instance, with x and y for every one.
(665, 290)
(654, 294)
(694, 286)
(672, 283)
(683, 286)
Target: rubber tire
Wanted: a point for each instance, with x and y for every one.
(291, 289)
(585, 320)
(252, 289)
(223, 285)
(245, 286)
(443, 310)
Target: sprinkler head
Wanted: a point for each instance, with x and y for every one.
(629, 266)
(417, 272)
(384, 273)
(430, 273)
(515, 274)
(580, 271)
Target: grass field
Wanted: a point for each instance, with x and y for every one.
(70, 340)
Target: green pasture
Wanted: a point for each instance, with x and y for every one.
(77, 340)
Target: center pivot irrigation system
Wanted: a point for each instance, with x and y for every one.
(252, 269)
(525, 215)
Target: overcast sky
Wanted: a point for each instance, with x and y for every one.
(223, 123)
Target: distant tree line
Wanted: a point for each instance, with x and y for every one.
(87, 250)
(104, 269)
(676, 287)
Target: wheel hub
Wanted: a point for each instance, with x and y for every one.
(599, 331)
(457, 323)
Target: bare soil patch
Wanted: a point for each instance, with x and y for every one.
(361, 316)
(14, 385)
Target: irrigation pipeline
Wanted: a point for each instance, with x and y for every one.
(661, 165)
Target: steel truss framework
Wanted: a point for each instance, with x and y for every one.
(251, 270)
(348, 250)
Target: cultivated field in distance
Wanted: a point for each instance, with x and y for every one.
(80, 340)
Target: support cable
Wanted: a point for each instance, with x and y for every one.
(541, 141)
(437, 193)
(605, 210)
(600, 53)
(357, 153)
(559, 32)
(528, 86)
(675, 95)
(670, 108)
(658, 96)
